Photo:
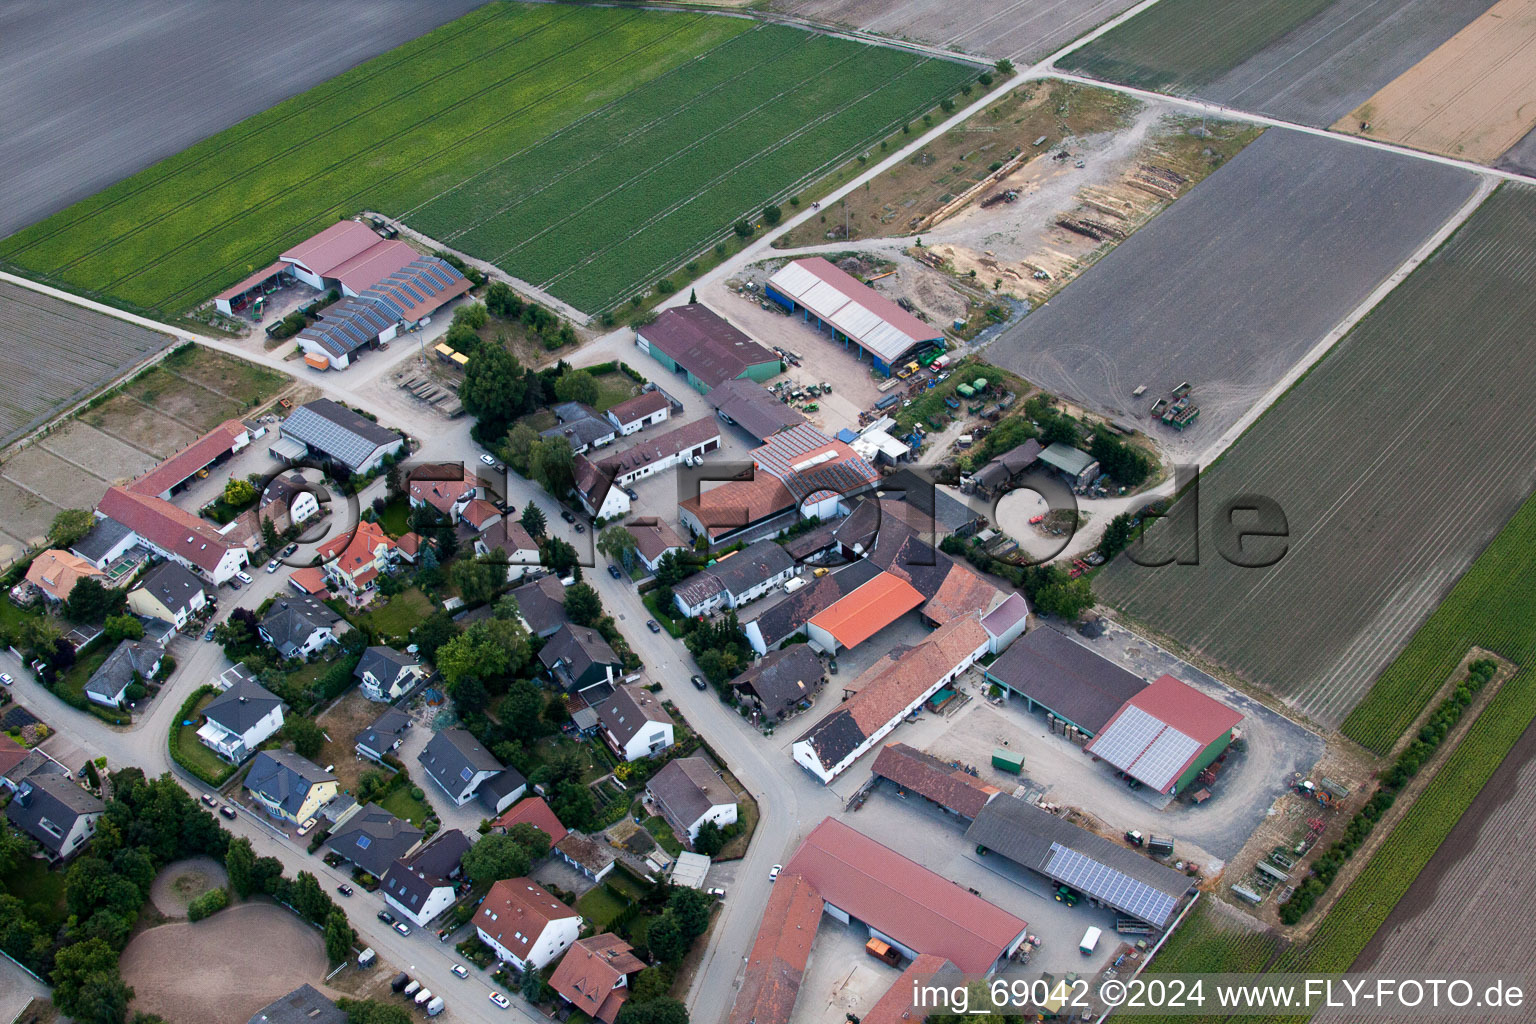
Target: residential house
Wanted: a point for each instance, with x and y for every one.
(593, 976)
(373, 839)
(688, 793)
(541, 605)
(289, 500)
(336, 434)
(240, 720)
(634, 724)
(532, 811)
(236, 673)
(409, 546)
(586, 855)
(657, 453)
(174, 533)
(354, 560)
(734, 580)
(525, 925)
(582, 426)
(384, 736)
(653, 540)
(644, 410)
(423, 885)
(54, 573)
(104, 543)
(578, 657)
(170, 593)
(479, 515)
(519, 551)
(304, 1005)
(781, 681)
(298, 626)
(447, 487)
(459, 765)
(57, 813)
(385, 674)
(596, 490)
(131, 661)
(290, 787)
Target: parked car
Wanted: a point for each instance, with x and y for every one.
(386, 917)
(208, 635)
(698, 683)
(565, 514)
(345, 890)
(487, 460)
(290, 549)
(228, 812)
(272, 566)
(244, 577)
(309, 823)
(773, 872)
(613, 571)
(500, 1000)
(402, 928)
(717, 892)
(209, 800)
(832, 666)
(653, 625)
(234, 584)
(633, 495)
(460, 970)
(580, 528)
(5, 677)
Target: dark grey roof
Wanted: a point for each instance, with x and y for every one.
(385, 664)
(579, 648)
(116, 673)
(494, 790)
(1072, 681)
(751, 566)
(580, 424)
(411, 880)
(798, 608)
(43, 800)
(781, 679)
(454, 756)
(702, 342)
(338, 432)
(687, 787)
(542, 604)
(373, 839)
(1122, 878)
(753, 408)
(628, 710)
(304, 1005)
(442, 855)
(102, 538)
(385, 728)
(293, 618)
(242, 705)
(172, 585)
(285, 778)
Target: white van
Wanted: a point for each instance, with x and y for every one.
(1090, 940)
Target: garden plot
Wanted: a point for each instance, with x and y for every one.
(1381, 461)
(1232, 286)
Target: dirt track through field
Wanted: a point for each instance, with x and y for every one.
(1474, 97)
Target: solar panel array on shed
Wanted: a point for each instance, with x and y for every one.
(337, 431)
(1161, 731)
(1107, 885)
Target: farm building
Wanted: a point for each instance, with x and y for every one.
(206, 452)
(373, 315)
(1004, 469)
(644, 410)
(660, 452)
(779, 954)
(753, 408)
(1166, 735)
(172, 532)
(771, 627)
(1057, 675)
(863, 613)
(885, 693)
(325, 430)
(1076, 465)
(1072, 856)
(855, 313)
(950, 787)
(696, 343)
(1005, 622)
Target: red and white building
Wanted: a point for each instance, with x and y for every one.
(524, 924)
(355, 560)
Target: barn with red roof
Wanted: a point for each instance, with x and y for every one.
(1166, 735)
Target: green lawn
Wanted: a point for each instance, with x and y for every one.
(600, 906)
(398, 615)
(40, 889)
(612, 388)
(401, 804)
(663, 615)
(657, 826)
(204, 762)
(587, 150)
(396, 519)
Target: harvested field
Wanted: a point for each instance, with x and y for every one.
(195, 973)
(53, 353)
(162, 75)
(560, 142)
(1209, 292)
(1474, 97)
(139, 425)
(1387, 499)
(1024, 31)
(25, 521)
(182, 881)
(62, 483)
(89, 450)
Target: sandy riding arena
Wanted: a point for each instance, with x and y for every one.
(183, 881)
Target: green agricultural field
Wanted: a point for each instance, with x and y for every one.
(1179, 45)
(586, 150)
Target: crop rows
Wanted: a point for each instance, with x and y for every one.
(1179, 45)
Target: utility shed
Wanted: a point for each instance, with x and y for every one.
(1077, 466)
(1072, 856)
(1166, 735)
(1051, 671)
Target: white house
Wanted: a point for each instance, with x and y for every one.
(634, 723)
(644, 410)
(517, 546)
(459, 765)
(240, 720)
(384, 673)
(524, 924)
(736, 579)
(422, 886)
(687, 793)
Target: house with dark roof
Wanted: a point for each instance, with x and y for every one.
(769, 628)
(687, 793)
(644, 410)
(423, 885)
(735, 579)
(582, 426)
(594, 487)
(170, 593)
(541, 605)
(698, 344)
(593, 976)
(656, 453)
(782, 681)
(131, 661)
(654, 539)
(57, 813)
(585, 854)
(299, 625)
(384, 736)
(290, 787)
(1066, 680)
(304, 1005)
(373, 839)
(240, 720)
(577, 657)
(885, 693)
(1002, 470)
(524, 924)
(634, 724)
(940, 782)
(105, 542)
(519, 551)
(753, 408)
(336, 434)
(461, 766)
(385, 674)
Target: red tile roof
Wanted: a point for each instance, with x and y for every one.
(895, 685)
(589, 974)
(56, 572)
(896, 1006)
(373, 264)
(929, 777)
(901, 898)
(868, 610)
(734, 505)
(519, 906)
(653, 537)
(1180, 705)
(532, 810)
(704, 343)
(777, 962)
(190, 459)
(324, 252)
(409, 543)
(655, 447)
(642, 405)
(247, 283)
(479, 512)
(962, 592)
(166, 526)
(353, 551)
(309, 580)
(11, 754)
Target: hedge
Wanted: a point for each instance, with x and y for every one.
(173, 740)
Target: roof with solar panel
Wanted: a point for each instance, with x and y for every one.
(1161, 731)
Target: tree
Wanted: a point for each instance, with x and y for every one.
(552, 464)
(69, 526)
(666, 939)
(89, 601)
(478, 579)
(1116, 535)
(577, 386)
(572, 804)
(239, 493)
(269, 535)
(532, 986)
(87, 986)
(433, 632)
(368, 1011)
(493, 389)
(672, 569)
(743, 228)
(489, 649)
(690, 909)
(338, 933)
(494, 858)
(307, 737)
(618, 544)
(240, 862)
(520, 710)
(582, 605)
(533, 520)
(693, 297)
(209, 903)
(558, 555)
(122, 627)
(709, 840)
(520, 441)
(471, 315)
(665, 1010)
(1004, 67)
(265, 874)
(772, 215)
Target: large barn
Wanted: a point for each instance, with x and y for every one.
(1166, 735)
(855, 313)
